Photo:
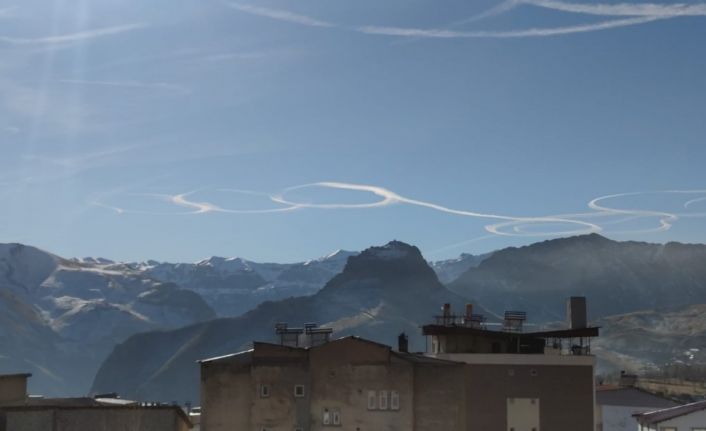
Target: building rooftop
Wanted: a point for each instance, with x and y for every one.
(484, 332)
(70, 404)
(12, 376)
(246, 357)
(657, 416)
(628, 396)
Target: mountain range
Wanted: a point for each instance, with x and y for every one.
(232, 286)
(61, 318)
(381, 292)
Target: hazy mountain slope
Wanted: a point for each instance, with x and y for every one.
(381, 292)
(645, 340)
(450, 269)
(232, 286)
(617, 277)
(60, 317)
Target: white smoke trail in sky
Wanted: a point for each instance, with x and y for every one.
(504, 225)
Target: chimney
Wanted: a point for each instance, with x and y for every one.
(403, 343)
(469, 311)
(576, 314)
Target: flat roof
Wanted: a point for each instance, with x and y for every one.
(465, 330)
(179, 411)
(10, 376)
(245, 354)
(630, 396)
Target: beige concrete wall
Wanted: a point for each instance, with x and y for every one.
(12, 389)
(281, 410)
(226, 397)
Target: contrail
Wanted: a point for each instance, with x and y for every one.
(72, 37)
(532, 32)
(389, 197)
(635, 14)
(505, 225)
(280, 15)
(622, 9)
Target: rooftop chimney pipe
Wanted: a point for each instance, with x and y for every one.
(403, 343)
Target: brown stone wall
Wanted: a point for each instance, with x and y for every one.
(439, 398)
(94, 419)
(565, 394)
(12, 389)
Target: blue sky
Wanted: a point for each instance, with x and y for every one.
(126, 127)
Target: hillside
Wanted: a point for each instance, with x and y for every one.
(649, 340)
(60, 318)
(381, 292)
(616, 277)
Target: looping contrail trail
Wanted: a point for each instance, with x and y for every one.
(504, 225)
(627, 14)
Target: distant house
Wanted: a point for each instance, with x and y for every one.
(616, 405)
(689, 417)
(471, 379)
(20, 412)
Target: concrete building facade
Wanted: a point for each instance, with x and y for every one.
(349, 384)
(20, 412)
(472, 379)
(95, 418)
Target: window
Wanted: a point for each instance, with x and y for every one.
(264, 391)
(394, 400)
(372, 400)
(331, 417)
(299, 391)
(383, 400)
(667, 428)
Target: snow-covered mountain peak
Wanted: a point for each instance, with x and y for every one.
(93, 260)
(225, 265)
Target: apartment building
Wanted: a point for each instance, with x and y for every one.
(472, 378)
